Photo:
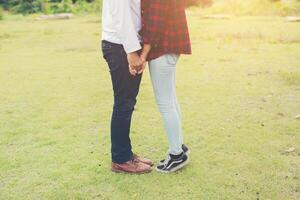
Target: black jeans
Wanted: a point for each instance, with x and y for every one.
(126, 88)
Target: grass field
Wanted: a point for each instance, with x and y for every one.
(239, 94)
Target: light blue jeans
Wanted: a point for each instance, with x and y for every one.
(163, 77)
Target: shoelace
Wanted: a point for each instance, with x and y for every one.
(167, 160)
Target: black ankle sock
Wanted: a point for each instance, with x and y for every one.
(176, 156)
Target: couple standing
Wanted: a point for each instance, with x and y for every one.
(134, 32)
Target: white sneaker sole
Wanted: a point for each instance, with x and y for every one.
(175, 168)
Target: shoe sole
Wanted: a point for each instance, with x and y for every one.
(125, 172)
(175, 168)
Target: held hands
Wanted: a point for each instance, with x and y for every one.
(137, 64)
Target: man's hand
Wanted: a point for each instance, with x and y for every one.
(132, 71)
(134, 60)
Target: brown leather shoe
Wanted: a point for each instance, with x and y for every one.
(131, 166)
(143, 160)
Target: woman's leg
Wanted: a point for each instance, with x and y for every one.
(163, 72)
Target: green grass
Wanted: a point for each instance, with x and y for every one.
(239, 94)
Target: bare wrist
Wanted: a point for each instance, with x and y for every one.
(144, 56)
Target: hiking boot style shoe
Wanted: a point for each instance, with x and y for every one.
(173, 163)
(142, 160)
(131, 166)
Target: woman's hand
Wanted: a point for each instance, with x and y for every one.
(144, 55)
(143, 67)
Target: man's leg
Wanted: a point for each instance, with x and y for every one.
(126, 88)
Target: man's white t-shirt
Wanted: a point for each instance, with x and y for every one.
(121, 23)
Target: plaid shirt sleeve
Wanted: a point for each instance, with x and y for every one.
(154, 20)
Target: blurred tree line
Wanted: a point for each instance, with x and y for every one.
(86, 6)
(50, 6)
(58, 6)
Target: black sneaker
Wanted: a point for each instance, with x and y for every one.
(173, 163)
(185, 149)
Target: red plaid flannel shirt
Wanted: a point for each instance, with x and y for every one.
(164, 26)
